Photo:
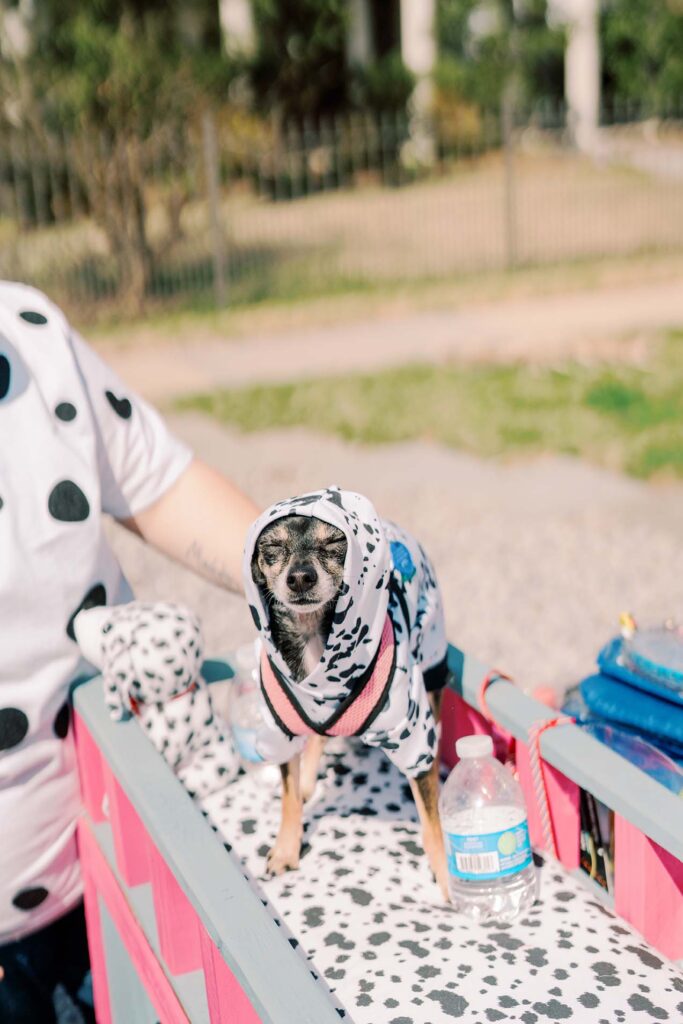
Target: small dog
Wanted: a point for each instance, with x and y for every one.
(351, 621)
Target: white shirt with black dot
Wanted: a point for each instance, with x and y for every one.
(74, 444)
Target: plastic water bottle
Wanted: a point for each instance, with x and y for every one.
(491, 872)
(244, 706)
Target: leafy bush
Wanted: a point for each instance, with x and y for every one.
(642, 44)
(299, 69)
(483, 45)
(383, 85)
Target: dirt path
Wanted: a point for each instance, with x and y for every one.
(608, 324)
(536, 558)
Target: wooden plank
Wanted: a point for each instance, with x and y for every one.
(279, 985)
(90, 771)
(652, 808)
(148, 968)
(130, 837)
(177, 922)
(191, 987)
(648, 889)
(226, 999)
(129, 1001)
(93, 923)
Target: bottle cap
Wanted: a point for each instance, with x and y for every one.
(474, 746)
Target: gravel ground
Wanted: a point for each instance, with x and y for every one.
(536, 559)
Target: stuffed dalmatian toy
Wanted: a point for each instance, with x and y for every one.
(150, 657)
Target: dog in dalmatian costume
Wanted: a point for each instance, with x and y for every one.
(150, 656)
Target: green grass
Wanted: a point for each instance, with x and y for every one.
(629, 418)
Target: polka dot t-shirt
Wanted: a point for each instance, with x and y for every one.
(74, 443)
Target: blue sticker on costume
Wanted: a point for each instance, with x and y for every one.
(402, 560)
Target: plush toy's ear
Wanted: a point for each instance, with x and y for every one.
(89, 628)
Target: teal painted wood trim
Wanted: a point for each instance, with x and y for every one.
(276, 979)
(652, 808)
(190, 988)
(127, 997)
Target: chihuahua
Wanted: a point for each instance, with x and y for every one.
(353, 644)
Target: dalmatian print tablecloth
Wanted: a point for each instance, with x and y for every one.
(366, 914)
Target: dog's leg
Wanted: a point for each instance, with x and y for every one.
(426, 793)
(310, 760)
(285, 853)
(434, 697)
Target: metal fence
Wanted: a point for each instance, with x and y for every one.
(230, 209)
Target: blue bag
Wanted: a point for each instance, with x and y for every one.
(613, 662)
(657, 720)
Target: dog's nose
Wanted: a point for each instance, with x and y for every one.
(301, 578)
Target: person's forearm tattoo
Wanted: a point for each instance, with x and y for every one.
(213, 568)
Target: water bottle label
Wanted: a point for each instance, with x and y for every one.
(492, 855)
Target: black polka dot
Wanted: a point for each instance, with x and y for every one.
(28, 899)
(1, 503)
(65, 411)
(32, 317)
(121, 406)
(13, 727)
(5, 376)
(68, 503)
(95, 597)
(61, 722)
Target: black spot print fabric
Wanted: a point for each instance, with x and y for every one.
(68, 503)
(5, 376)
(95, 597)
(29, 899)
(66, 412)
(67, 456)
(13, 727)
(30, 316)
(387, 576)
(61, 722)
(121, 406)
(364, 913)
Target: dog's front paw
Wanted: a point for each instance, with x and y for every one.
(283, 857)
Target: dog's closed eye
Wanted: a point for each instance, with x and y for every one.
(273, 550)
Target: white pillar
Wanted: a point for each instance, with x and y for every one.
(582, 71)
(359, 39)
(418, 48)
(15, 29)
(237, 25)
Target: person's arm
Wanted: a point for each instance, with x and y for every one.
(200, 521)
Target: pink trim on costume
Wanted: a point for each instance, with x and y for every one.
(357, 714)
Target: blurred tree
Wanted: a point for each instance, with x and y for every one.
(486, 43)
(642, 43)
(119, 79)
(299, 68)
(384, 84)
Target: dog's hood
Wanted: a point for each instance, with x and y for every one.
(361, 607)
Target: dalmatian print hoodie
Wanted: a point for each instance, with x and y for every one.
(386, 574)
(74, 443)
